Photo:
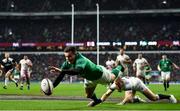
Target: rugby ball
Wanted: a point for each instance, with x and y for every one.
(47, 86)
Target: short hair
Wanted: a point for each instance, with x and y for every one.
(70, 48)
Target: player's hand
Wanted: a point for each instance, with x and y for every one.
(54, 69)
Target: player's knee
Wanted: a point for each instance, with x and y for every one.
(154, 98)
(88, 95)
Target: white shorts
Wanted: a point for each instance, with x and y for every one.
(140, 73)
(16, 77)
(148, 76)
(104, 80)
(25, 73)
(165, 75)
(126, 72)
(134, 84)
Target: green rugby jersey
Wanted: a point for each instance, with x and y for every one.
(165, 65)
(89, 70)
(16, 72)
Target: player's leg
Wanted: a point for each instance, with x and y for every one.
(147, 77)
(11, 77)
(28, 80)
(6, 80)
(90, 86)
(168, 78)
(22, 79)
(150, 95)
(7, 77)
(106, 79)
(128, 97)
(163, 76)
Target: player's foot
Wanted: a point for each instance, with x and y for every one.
(141, 100)
(167, 85)
(4, 87)
(172, 99)
(165, 89)
(16, 84)
(28, 87)
(121, 103)
(94, 103)
(21, 88)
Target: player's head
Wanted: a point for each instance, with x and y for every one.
(6, 55)
(121, 50)
(164, 56)
(70, 54)
(25, 57)
(139, 56)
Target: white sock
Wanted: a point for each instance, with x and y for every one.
(6, 81)
(14, 80)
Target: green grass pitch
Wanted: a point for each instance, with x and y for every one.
(77, 90)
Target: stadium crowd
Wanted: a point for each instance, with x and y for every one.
(42, 61)
(57, 5)
(113, 30)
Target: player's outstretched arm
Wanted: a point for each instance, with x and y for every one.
(62, 73)
(106, 95)
(177, 67)
(54, 69)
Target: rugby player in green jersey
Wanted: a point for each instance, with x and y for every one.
(16, 73)
(165, 66)
(147, 73)
(77, 64)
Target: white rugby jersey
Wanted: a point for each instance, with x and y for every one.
(139, 63)
(122, 59)
(110, 63)
(24, 64)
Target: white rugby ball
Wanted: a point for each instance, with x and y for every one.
(47, 86)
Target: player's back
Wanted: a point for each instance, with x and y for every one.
(89, 70)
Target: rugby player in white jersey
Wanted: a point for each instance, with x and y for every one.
(138, 67)
(110, 63)
(26, 69)
(131, 85)
(124, 61)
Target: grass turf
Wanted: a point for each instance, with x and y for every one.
(77, 90)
